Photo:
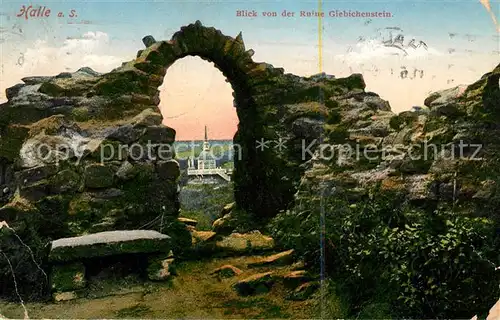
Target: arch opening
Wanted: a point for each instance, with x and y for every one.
(197, 101)
(261, 183)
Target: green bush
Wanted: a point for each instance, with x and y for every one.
(383, 250)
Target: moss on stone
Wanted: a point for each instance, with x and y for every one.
(99, 176)
(12, 140)
(68, 277)
(109, 150)
(66, 181)
(117, 83)
(75, 253)
(80, 114)
(80, 206)
(337, 134)
(52, 89)
(395, 122)
(354, 81)
(334, 117)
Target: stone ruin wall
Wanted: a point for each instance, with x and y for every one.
(53, 130)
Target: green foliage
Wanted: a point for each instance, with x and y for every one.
(337, 134)
(204, 221)
(334, 117)
(329, 303)
(395, 122)
(204, 202)
(80, 114)
(425, 264)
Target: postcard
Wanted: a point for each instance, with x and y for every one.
(227, 159)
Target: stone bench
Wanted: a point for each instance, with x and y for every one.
(68, 254)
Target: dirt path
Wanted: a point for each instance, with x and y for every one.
(193, 293)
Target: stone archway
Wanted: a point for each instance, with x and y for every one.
(279, 115)
(261, 186)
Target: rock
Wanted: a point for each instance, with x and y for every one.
(224, 225)
(148, 41)
(68, 277)
(486, 191)
(202, 236)
(187, 221)
(202, 241)
(244, 243)
(443, 96)
(418, 187)
(64, 296)
(304, 291)
(295, 278)
(158, 135)
(307, 127)
(297, 266)
(227, 209)
(168, 170)
(29, 176)
(89, 71)
(160, 269)
(107, 223)
(279, 259)
(256, 284)
(99, 176)
(374, 101)
(35, 192)
(109, 243)
(126, 134)
(147, 118)
(126, 171)
(13, 91)
(107, 194)
(226, 271)
(66, 181)
(447, 110)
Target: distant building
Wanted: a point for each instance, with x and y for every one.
(206, 170)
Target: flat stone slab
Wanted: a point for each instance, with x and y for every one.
(108, 243)
(279, 259)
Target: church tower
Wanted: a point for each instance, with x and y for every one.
(206, 160)
(206, 145)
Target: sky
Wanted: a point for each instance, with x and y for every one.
(461, 37)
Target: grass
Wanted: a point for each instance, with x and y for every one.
(194, 293)
(204, 221)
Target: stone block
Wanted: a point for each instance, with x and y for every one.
(255, 284)
(169, 170)
(109, 243)
(99, 176)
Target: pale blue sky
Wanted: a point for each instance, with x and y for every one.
(47, 46)
(129, 21)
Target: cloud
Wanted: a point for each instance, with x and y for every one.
(92, 49)
(375, 49)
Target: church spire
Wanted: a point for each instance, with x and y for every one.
(206, 145)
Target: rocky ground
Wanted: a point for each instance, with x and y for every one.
(247, 277)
